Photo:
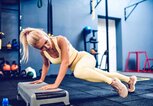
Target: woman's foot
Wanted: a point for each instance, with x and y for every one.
(119, 87)
(131, 83)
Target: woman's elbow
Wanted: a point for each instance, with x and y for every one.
(46, 64)
(65, 62)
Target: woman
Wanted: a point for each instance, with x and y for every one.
(58, 50)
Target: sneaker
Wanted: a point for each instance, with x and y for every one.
(131, 83)
(119, 87)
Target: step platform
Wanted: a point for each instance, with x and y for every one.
(35, 97)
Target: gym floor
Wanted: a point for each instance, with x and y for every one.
(83, 93)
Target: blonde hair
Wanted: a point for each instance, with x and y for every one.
(29, 36)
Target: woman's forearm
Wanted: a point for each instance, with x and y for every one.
(44, 72)
(62, 73)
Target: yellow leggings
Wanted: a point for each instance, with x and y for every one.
(85, 69)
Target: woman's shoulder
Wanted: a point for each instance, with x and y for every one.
(57, 37)
(61, 37)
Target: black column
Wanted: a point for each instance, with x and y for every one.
(19, 25)
(49, 17)
(107, 34)
(0, 14)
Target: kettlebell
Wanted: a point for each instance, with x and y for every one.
(14, 66)
(6, 66)
(15, 44)
(9, 46)
(92, 51)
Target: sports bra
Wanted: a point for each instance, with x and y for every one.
(72, 53)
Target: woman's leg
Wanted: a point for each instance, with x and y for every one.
(85, 69)
(114, 75)
(131, 81)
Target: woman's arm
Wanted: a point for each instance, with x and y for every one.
(63, 44)
(64, 64)
(45, 67)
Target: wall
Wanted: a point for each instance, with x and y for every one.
(69, 19)
(136, 30)
(71, 16)
(139, 30)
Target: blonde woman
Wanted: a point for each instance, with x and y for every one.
(58, 50)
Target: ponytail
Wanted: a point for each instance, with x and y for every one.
(23, 40)
(24, 35)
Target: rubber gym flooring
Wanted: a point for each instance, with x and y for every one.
(83, 93)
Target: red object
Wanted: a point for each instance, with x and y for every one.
(6, 67)
(147, 62)
(14, 67)
(137, 53)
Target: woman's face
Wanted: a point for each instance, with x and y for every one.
(43, 43)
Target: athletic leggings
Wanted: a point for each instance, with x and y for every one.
(85, 69)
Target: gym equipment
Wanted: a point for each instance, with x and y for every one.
(30, 75)
(6, 66)
(2, 60)
(93, 39)
(35, 97)
(39, 3)
(87, 30)
(23, 74)
(90, 40)
(1, 36)
(14, 70)
(8, 46)
(7, 74)
(0, 43)
(14, 74)
(93, 51)
(15, 44)
(105, 54)
(14, 66)
(31, 72)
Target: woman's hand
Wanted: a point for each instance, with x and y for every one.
(36, 82)
(49, 86)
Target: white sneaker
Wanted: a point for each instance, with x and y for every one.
(131, 83)
(120, 87)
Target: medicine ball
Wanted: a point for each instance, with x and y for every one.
(30, 74)
(30, 69)
(87, 30)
